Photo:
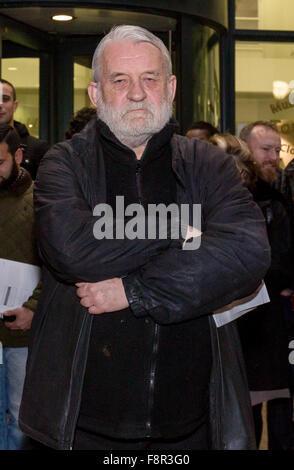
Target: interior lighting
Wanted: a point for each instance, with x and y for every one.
(62, 18)
(280, 89)
(12, 68)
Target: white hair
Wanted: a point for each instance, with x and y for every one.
(129, 33)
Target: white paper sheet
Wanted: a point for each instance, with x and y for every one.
(17, 282)
(240, 307)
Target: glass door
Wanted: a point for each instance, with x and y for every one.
(81, 78)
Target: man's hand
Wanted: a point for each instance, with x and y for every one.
(103, 296)
(23, 318)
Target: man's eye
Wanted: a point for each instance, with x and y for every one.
(120, 81)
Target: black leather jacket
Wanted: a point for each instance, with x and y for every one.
(229, 264)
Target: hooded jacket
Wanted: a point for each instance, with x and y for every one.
(163, 283)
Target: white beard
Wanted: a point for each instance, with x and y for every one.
(134, 129)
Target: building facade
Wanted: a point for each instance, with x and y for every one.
(233, 59)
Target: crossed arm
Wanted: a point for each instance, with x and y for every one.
(111, 274)
(109, 295)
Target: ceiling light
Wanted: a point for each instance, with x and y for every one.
(12, 68)
(62, 17)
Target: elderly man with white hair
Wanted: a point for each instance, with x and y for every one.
(121, 354)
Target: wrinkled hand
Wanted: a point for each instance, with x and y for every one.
(23, 318)
(103, 296)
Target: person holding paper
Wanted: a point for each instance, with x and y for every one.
(17, 243)
(121, 353)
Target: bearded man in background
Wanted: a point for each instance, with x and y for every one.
(265, 335)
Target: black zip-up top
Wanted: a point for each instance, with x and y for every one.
(144, 379)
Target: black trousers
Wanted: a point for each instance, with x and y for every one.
(197, 440)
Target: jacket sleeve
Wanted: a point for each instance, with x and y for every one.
(65, 223)
(233, 256)
(32, 301)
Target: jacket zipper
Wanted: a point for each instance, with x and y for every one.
(152, 378)
(139, 181)
(76, 411)
(156, 327)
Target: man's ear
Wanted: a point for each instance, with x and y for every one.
(92, 92)
(18, 156)
(173, 85)
(15, 105)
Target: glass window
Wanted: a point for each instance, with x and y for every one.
(24, 74)
(206, 76)
(82, 78)
(265, 88)
(265, 14)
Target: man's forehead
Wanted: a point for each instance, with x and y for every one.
(130, 52)
(265, 133)
(4, 151)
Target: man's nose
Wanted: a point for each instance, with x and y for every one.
(273, 154)
(136, 91)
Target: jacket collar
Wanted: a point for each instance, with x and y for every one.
(21, 129)
(20, 185)
(88, 135)
(88, 140)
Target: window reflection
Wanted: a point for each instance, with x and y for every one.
(264, 88)
(82, 77)
(206, 76)
(23, 73)
(265, 14)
